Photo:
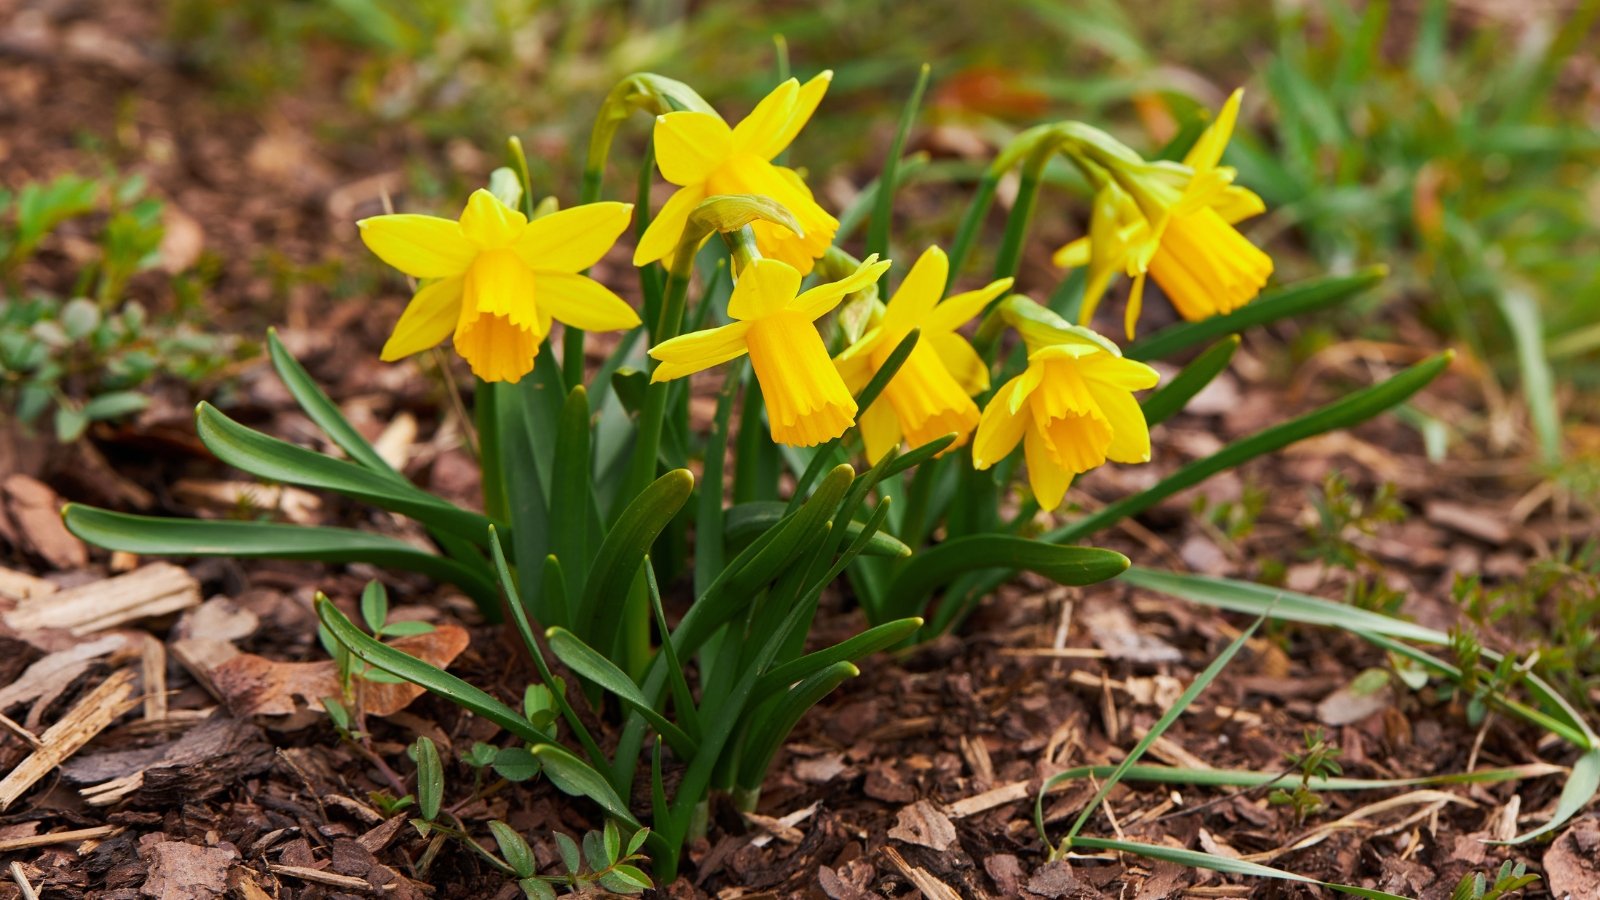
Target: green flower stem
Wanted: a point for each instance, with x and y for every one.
(972, 221)
(486, 414)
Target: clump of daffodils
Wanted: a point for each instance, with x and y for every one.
(494, 282)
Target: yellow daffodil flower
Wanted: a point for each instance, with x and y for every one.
(1175, 222)
(1071, 409)
(807, 402)
(703, 156)
(931, 395)
(496, 280)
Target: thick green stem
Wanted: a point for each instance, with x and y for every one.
(490, 460)
(647, 448)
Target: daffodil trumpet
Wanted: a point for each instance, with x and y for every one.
(1072, 408)
(807, 401)
(931, 393)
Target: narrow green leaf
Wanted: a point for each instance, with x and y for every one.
(323, 411)
(617, 562)
(745, 521)
(1292, 300)
(274, 460)
(862, 645)
(1201, 682)
(570, 492)
(576, 777)
(768, 733)
(1224, 864)
(1344, 413)
(114, 404)
(883, 207)
(1521, 311)
(430, 778)
(430, 677)
(1175, 394)
(156, 536)
(518, 855)
(938, 565)
(587, 662)
(375, 605)
(1581, 787)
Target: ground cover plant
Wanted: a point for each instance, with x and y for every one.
(781, 443)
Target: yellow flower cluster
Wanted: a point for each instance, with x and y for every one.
(494, 282)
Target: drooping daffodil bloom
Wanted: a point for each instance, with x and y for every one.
(1072, 409)
(1175, 222)
(495, 281)
(703, 156)
(931, 394)
(807, 401)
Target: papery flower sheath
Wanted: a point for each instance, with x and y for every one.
(807, 402)
(495, 281)
(1072, 409)
(1175, 223)
(931, 395)
(703, 156)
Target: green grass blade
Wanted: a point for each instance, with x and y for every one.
(1351, 410)
(1521, 312)
(1581, 787)
(158, 536)
(1175, 394)
(1293, 300)
(1200, 683)
(1226, 865)
(883, 206)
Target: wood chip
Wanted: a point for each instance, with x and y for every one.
(23, 885)
(20, 585)
(153, 671)
(924, 825)
(43, 681)
(1487, 525)
(35, 511)
(317, 876)
(154, 590)
(58, 837)
(998, 796)
(931, 887)
(298, 506)
(183, 871)
(91, 716)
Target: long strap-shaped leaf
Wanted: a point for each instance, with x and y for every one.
(1293, 300)
(158, 536)
(617, 562)
(1351, 410)
(323, 411)
(936, 566)
(1226, 865)
(274, 460)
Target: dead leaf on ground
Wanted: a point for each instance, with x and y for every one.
(253, 685)
(35, 512)
(924, 825)
(1572, 864)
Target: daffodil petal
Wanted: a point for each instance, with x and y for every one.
(1000, 427)
(573, 239)
(489, 223)
(961, 360)
(855, 361)
(918, 292)
(762, 289)
(420, 246)
(880, 430)
(691, 145)
(1048, 478)
(1074, 255)
(1127, 374)
(666, 229)
(767, 121)
(1130, 434)
(959, 309)
(824, 297)
(690, 353)
(582, 302)
(1207, 151)
(1238, 203)
(805, 104)
(428, 320)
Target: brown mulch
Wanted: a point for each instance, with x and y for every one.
(918, 774)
